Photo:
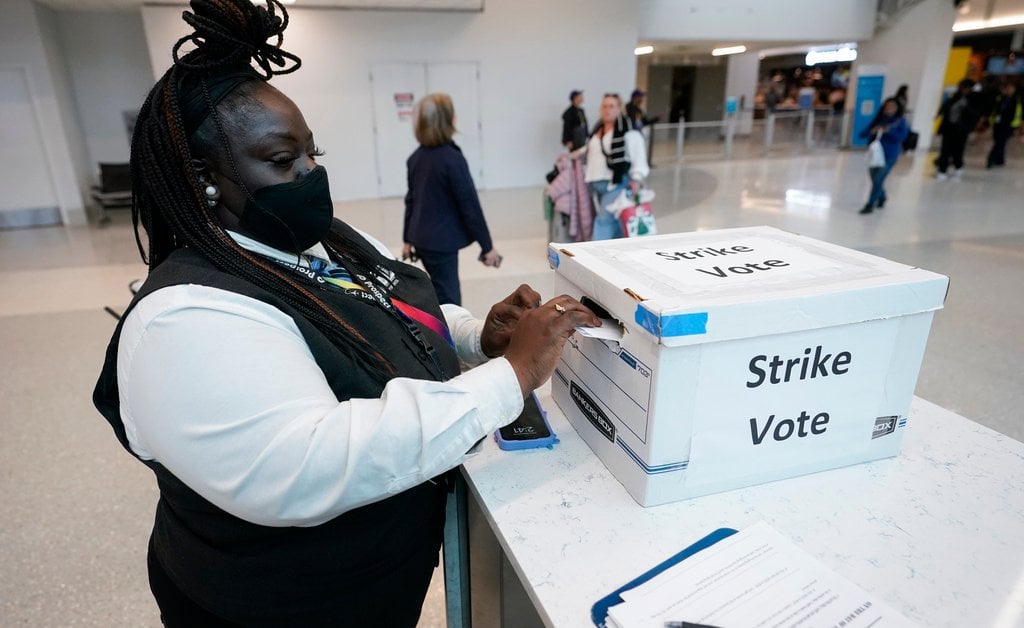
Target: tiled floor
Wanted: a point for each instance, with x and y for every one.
(76, 509)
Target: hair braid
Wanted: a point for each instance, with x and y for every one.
(169, 201)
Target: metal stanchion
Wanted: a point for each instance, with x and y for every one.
(650, 143)
(769, 132)
(680, 134)
(809, 131)
(730, 131)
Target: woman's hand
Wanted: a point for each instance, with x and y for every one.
(491, 258)
(634, 187)
(503, 318)
(539, 337)
(408, 253)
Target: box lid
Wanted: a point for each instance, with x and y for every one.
(706, 286)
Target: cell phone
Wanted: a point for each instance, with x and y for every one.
(497, 262)
(529, 430)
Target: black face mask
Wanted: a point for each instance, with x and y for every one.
(291, 216)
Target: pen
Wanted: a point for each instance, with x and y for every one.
(686, 624)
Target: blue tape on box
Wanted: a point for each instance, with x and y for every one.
(673, 325)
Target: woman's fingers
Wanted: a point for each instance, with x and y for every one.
(524, 296)
(539, 336)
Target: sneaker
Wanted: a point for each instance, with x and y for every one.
(881, 203)
(941, 176)
(958, 173)
(866, 210)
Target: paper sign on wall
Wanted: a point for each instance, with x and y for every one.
(404, 102)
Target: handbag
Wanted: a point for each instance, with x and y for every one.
(876, 154)
(910, 142)
(638, 220)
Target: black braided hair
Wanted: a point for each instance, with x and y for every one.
(168, 199)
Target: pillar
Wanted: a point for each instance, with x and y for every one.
(741, 84)
(913, 48)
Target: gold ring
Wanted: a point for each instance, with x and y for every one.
(559, 309)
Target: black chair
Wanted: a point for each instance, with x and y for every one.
(114, 190)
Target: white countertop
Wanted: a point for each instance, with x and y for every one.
(937, 532)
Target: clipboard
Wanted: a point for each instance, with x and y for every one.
(599, 611)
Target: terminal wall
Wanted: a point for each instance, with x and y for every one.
(531, 53)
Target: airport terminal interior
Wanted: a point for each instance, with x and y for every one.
(77, 510)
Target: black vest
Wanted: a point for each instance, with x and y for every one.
(259, 575)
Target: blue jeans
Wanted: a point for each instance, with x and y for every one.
(878, 176)
(606, 225)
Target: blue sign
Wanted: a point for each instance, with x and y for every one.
(869, 99)
(730, 105)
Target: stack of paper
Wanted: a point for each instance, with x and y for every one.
(754, 578)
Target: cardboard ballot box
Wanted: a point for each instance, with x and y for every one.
(748, 355)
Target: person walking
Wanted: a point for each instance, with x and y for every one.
(960, 114)
(889, 128)
(635, 110)
(574, 122)
(616, 161)
(902, 97)
(1005, 120)
(442, 209)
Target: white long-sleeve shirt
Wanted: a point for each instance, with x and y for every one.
(222, 390)
(636, 154)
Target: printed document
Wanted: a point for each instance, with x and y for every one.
(755, 578)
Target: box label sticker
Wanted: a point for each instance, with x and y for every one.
(884, 425)
(592, 412)
(726, 264)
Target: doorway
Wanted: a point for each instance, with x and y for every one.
(396, 88)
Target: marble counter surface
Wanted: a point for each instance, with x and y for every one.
(937, 532)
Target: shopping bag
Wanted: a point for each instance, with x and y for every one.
(638, 220)
(876, 154)
(628, 199)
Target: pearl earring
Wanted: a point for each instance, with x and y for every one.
(211, 194)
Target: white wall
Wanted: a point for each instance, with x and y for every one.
(110, 74)
(914, 51)
(531, 54)
(725, 21)
(27, 41)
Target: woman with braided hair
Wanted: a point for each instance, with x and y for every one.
(296, 390)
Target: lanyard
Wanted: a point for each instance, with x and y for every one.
(408, 315)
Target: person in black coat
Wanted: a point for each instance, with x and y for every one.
(960, 115)
(442, 210)
(574, 122)
(1007, 114)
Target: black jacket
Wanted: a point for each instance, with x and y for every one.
(442, 209)
(961, 112)
(574, 127)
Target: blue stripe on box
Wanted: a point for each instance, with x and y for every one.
(671, 326)
(649, 470)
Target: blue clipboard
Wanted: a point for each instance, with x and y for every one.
(599, 611)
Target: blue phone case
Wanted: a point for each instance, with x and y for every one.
(530, 429)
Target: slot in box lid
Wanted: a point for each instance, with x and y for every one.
(707, 286)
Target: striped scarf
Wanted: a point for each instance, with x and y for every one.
(616, 159)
